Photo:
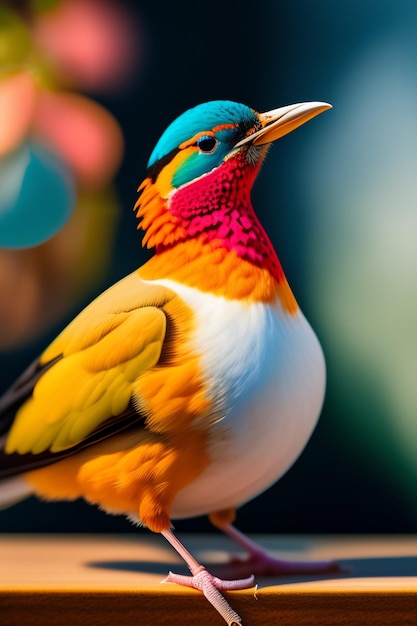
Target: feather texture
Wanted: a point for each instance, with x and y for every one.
(150, 401)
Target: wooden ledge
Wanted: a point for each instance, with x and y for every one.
(115, 581)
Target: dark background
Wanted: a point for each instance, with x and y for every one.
(354, 476)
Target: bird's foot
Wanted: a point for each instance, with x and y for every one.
(210, 585)
(263, 564)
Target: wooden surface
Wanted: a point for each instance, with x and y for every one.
(115, 581)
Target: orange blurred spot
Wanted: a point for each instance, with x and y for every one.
(83, 133)
(17, 105)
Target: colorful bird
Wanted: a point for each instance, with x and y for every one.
(194, 383)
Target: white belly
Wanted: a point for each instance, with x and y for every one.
(269, 367)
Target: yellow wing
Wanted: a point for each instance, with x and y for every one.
(84, 378)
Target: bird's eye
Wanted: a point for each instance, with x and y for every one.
(207, 144)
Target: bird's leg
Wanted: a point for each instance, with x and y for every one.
(202, 580)
(263, 564)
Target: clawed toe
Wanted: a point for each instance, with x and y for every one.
(210, 586)
(204, 578)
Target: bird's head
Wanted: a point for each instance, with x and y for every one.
(202, 169)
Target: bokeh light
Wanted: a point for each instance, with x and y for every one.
(37, 196)
(82, 133)
(363, 193)
(18, 95)
(92, 44)
(60, 151)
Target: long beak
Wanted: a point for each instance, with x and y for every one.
(280, 122)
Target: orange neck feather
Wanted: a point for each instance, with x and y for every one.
(218, 271)
(207, 264)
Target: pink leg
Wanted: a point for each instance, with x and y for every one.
(202, 580)
(263, 564)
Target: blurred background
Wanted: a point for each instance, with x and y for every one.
(87, 87)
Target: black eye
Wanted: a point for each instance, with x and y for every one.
(207, 143)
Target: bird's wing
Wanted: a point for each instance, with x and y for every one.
(80, 390)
